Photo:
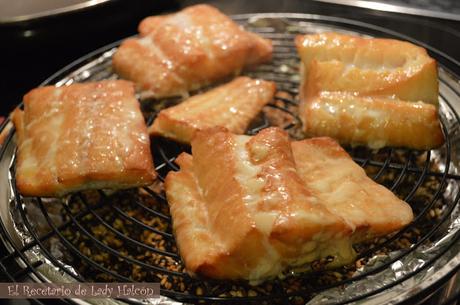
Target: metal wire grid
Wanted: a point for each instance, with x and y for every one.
(165, 153)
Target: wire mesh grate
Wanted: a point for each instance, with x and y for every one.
(127, 235)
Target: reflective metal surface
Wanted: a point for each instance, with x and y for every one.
(26, 10)
(449, 10)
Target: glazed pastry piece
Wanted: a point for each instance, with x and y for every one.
(82, 136)
(372, 121)
(369, 66)
(241, 211)
(376, 92)
(369, 208)
(184, 51)
(232, 105)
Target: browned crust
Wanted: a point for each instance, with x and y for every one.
(354, 120)
(419, 82)
(381, 211)
(101, 168)
(214, 166)
(233, 106)
(180, 61)
(375, 115)
(271, 150)
(223, 255)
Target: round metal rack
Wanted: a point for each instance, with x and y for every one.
(142, 245)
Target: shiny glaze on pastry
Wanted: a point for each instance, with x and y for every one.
(372, 121)
(184, 51)
(244, 194)
(360, 90)
(81, 136)
(251, 207)
(232, 105)
(343, 187)
(370, 66)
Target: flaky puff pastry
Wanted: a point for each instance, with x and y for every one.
(370, 66)
(359, 90)
(343, 187)
(184, 51)
(241, 211)
(81, 136)
(373, 121)
(250, 207)
(232, 105)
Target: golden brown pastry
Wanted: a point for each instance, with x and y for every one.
(360, 90)
(82, 136)
(343, 187)
(250, 207)
(372, 121)
(232, 105)
(370, 66)
(184, 51)
(241, 209)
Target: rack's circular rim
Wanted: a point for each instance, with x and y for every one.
(314, 18)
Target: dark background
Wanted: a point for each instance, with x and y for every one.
(31, 51)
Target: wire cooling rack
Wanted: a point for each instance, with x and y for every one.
(127, 236)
